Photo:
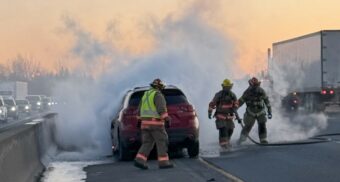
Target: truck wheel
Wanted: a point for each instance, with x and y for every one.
(193, 149)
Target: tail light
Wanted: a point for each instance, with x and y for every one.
(129, 119)
(325, 92)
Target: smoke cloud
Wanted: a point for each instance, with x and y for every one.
(188, 53)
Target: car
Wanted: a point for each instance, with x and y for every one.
(3, 110)
(35, 101)
(12, 108)
(183, 132)
(24, 106)
(46, 103)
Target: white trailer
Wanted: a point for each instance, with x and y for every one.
(16, 89)
(310, 66)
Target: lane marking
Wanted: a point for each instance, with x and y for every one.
(220, 170)
(190, 171)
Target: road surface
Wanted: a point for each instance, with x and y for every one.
(186, 170)
(313, 162)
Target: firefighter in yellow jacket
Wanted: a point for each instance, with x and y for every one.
(154, 118)
(225, 103)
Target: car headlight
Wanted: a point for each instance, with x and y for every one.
(13, 109)
(0, 111)
(49, 103)
(27, 107)
(38, 103)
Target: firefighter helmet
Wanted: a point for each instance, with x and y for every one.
(227, 83)
(254, 82)
(157, 83)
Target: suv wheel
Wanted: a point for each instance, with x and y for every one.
(124, 153)
(193, 149)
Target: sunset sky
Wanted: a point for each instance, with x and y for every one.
(36, 28)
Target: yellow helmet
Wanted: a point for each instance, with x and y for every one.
(227, 83)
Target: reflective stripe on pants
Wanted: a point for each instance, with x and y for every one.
(163, 158)
(141, 156)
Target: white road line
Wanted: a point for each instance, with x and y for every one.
(218, 169)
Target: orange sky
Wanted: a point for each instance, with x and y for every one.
(34, 27)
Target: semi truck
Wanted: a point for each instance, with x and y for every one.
(308, 67)
(16, 89)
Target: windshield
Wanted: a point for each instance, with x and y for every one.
(21, 102)
(172, 97)
(9, 102)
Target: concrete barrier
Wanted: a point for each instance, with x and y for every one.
(23, 148)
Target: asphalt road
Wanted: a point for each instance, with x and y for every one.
(251, 163)
(314, 162)
(185, 170)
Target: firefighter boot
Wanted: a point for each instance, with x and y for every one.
(264, 141)
(141, 164)
(165, 165)
(225, 145)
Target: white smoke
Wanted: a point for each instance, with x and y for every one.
(288, 77)
(189, 53)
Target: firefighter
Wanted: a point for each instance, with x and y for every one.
(256, 101)
(225, 103)
(154, 118)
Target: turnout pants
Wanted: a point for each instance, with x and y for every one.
(152, 135)
(249, 121)
(226, 129)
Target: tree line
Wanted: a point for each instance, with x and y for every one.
(28, 70)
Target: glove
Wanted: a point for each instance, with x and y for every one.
(167, 121)
(209, 115)
(139, 123)
(270, 115)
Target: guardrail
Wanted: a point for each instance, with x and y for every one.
(23, 148)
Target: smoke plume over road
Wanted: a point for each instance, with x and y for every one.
(188, 52)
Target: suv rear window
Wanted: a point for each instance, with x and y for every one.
(172, 96)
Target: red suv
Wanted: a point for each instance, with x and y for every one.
(183, 132)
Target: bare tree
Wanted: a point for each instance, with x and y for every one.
(24, 69)
(4, 72)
